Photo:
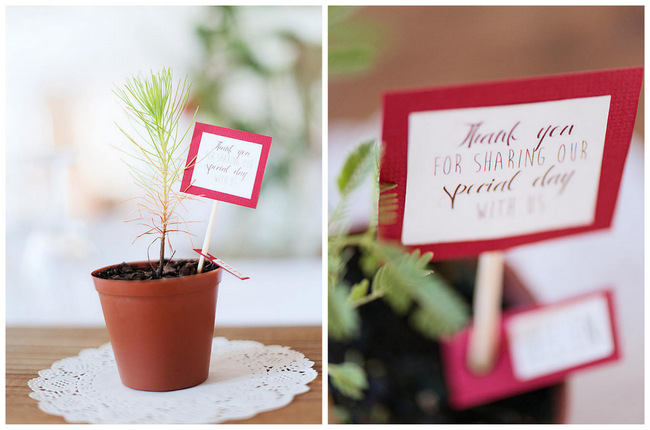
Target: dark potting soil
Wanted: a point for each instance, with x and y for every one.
(405, 376)
(172, 269)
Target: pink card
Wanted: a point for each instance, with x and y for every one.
(494, 165)
(226, 165)
(539, 347)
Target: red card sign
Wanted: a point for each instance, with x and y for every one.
(540, 347)
(490, 166)
(226, 165)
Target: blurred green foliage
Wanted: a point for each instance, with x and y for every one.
(349, 378)
(286, 95)
(401, 278)
(391, 273)
(353, 46)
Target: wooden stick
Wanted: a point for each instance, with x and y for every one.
(484, 337)
(208, 234)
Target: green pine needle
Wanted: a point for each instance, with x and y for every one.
(154, 106)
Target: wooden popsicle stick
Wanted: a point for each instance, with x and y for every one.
(484, 337)
(208, 234)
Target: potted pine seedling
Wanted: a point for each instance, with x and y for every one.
(501, 365)
(388, 311)
(159, 314)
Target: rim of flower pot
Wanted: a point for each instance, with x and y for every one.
(155, 287)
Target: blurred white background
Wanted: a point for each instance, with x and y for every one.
(253, 68)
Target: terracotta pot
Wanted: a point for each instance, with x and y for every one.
(161, 330)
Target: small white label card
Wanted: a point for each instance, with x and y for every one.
(226, 165)
(482, 167)
(219, 262)
(552, 339)
(540, 347)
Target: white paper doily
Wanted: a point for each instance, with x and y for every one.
(246, 378)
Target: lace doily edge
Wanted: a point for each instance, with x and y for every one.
(39, 395)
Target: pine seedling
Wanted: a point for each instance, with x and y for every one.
(154, 106)
(393, 274)
(397, 276)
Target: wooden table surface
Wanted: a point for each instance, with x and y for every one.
(32, 349)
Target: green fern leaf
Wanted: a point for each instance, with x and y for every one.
(387, 187)
(406, 281)
(441, 310)
(387, 208)
(342, 317)
(350, 59)
(359, 290)
(393, 287)
(349, 378)
(356, 167)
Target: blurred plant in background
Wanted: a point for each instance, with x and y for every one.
(260, 75)
(352, 48)
(386, 271)
(361, 268)
(388, 307)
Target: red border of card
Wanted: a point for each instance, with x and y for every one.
(199, 129)
(467, 390)
(623, 85)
